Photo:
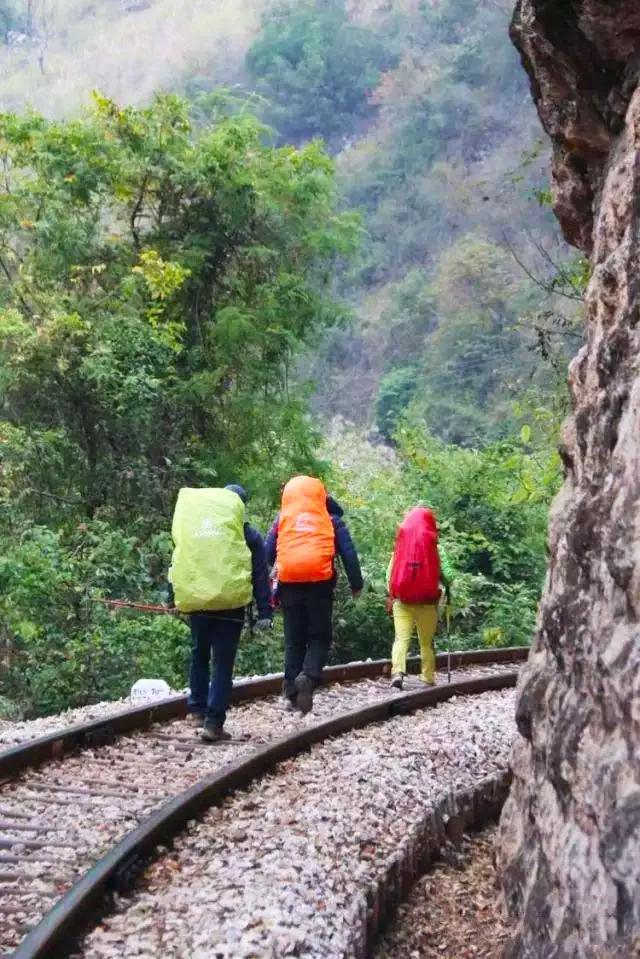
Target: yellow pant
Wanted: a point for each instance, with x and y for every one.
(425, 618)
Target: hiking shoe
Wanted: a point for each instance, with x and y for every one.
(290, 705)
(304, 699)
(212, 733)
(396, 681)
(195, 719)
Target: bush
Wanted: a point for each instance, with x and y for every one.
(394, 395)
(492, 512)
(63, 648)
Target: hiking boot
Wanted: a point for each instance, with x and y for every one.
(195, 719)
(396, 681)
(304, 699)
(213, 733)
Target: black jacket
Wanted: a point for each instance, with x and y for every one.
(345, 547)
(259, 571)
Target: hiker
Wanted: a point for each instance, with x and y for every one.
(303, 543)
(415, 572)
(219, 561)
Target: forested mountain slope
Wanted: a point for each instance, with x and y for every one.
(57, 51)
(451, 180)
(425, 108)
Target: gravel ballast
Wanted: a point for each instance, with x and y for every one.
(12, 733)
(282, 869)
(78, 807)
(455, 911)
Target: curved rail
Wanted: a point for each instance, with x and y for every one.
(117, 868)
(99, 732)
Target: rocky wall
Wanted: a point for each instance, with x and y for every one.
(570, 831)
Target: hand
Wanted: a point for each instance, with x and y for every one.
(263, 625)
(355, 593)
(389, 605)
(447, 595)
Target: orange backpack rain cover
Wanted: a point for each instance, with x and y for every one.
(306, 539)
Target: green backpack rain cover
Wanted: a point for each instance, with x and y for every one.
(211, 564)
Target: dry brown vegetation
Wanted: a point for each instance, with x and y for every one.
(128, 49)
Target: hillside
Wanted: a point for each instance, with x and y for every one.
(426, 110)
(60, 50)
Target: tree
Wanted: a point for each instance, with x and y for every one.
(157, 284)
(478, 358)
(396, 391)
(317, 70)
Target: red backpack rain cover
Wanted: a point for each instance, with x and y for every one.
(415, 571)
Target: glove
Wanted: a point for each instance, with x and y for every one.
(389, 605)
(263, 625)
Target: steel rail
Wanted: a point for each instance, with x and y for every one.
(88, 898)
(100, 732)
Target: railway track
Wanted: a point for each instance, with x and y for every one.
(112, 792)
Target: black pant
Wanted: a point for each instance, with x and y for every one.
(213, 638)
(306, 609)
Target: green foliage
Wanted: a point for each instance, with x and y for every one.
(63, 649)
(492, 508)
(159, 282)
(446, 112)
(451, 231)
(316, 69)
(394, 395)
(477, 356)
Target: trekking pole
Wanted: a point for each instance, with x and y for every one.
(447, 618)
(148, 608)
(127, 604)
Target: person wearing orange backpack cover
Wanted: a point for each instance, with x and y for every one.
(307, 535)
(415, 572)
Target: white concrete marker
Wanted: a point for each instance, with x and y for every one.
(150, 689)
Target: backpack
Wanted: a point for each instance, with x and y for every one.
(415, 570)
(306, 538)
(211, 563)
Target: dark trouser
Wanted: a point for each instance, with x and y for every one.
(306, 609)
(217, 639)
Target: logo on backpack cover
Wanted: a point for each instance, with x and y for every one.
(306, 523)
(208, 529)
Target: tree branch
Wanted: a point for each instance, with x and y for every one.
(547, 287)
(137, 211)
(23, 302)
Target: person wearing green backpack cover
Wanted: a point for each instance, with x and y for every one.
(219, 563)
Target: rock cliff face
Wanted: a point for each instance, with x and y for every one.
(570, 831)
